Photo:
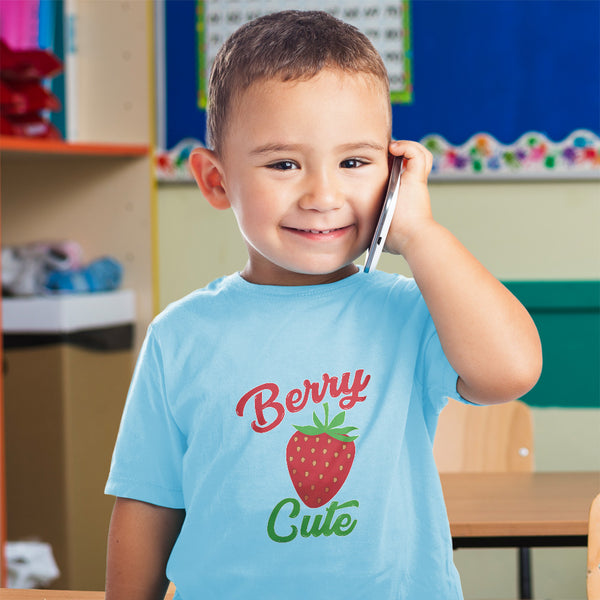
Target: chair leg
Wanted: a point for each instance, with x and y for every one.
(525, 584)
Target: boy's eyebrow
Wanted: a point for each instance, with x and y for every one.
(267, 148)
(361, 146)
(351, 146)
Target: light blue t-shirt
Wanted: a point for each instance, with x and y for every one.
(273, 512)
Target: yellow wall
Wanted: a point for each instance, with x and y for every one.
(518, 230)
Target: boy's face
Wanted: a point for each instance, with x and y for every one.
(304, 167)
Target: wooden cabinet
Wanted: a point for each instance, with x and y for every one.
(97, 190)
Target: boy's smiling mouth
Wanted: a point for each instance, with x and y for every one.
(319, 233)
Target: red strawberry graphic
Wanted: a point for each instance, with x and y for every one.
(319, 458)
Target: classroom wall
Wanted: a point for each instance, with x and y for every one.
(520, 231)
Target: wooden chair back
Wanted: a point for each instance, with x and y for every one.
(496, 438)
(593, 557)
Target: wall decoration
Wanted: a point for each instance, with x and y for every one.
(386, 23)
(533, 155)
(172, 165)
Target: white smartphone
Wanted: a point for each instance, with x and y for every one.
(387, 213)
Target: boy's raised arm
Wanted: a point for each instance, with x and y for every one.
(486, 333)
(140, 540)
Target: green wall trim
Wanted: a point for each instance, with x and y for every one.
(567, 315)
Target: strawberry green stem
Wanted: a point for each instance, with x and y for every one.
(333, 428)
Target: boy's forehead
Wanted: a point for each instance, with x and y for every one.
(330, 74)
(330, 110)
(364, 84)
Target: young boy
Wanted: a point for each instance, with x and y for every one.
(277, 437)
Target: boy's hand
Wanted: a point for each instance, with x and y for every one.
(486, 334)
(413, 210)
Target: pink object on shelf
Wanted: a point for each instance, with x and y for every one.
(19, 25)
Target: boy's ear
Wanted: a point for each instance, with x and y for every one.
(206, 168)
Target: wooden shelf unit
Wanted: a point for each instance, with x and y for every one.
(102, 201)
(97, 190)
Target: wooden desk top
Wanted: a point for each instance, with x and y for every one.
(479, 505)
(519, 504)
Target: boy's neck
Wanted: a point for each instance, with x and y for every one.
(290, 278)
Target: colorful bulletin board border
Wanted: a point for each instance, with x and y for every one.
(533, 155)
(482, 157)
(385, 23)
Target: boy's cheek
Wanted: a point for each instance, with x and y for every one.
(370, 226)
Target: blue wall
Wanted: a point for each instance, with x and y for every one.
(504, 67)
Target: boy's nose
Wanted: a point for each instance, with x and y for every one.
(321, 193)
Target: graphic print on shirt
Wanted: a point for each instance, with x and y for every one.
(319, 458)
(321, 454)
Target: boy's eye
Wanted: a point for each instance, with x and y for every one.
(283, 165)
(352, 163)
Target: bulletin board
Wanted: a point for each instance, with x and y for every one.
(494, 88)
(567, 316)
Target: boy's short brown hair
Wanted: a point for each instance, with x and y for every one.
(288, 45)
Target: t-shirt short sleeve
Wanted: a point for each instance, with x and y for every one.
(435, 373)
(148, 456)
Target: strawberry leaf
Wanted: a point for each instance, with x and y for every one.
(308, 429)
(337, 420)
(344, 430)
(332, 429)
(342, 437)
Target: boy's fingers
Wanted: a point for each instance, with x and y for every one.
(418, 159)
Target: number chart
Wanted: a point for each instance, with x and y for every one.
(386, 24)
